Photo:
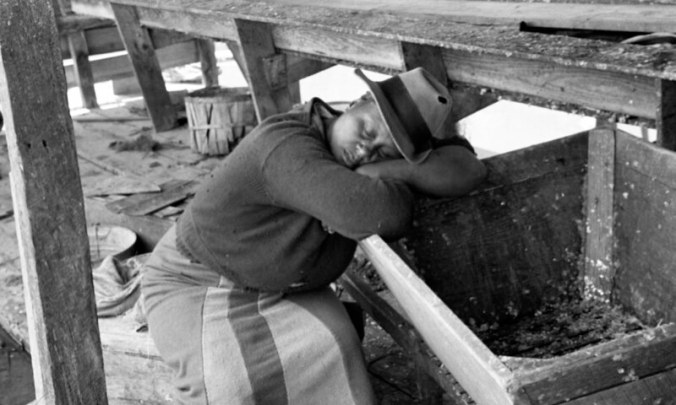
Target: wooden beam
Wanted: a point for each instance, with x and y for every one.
(79, 53)
(401, 330)
(146, 67)
(84, 77)
(266, 70)
(48, 207)
(119, 65)
(475, 367)
(208, 62)
(666, 113)
(72, 23)
(599, 263)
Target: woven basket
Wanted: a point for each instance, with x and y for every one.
(218, 118)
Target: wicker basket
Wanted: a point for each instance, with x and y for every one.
(219, 118)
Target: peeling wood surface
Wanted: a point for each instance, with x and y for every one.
(478, 252)
(645, 206)
(447, 25)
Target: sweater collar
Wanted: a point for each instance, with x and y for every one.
(319, 114)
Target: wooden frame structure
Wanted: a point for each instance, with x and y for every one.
(477, 43)
(513, 210)
(474, 43)
(83, 37)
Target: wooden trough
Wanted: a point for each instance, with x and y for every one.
(543, 227)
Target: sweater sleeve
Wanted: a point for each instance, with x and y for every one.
(302, 175)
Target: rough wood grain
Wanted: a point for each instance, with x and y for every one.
(479, 371)
(495, 254)
(146, 66)
(645, 207)
(265, 70)
(84, 77)
(603, 366)
(666, 113)
(48, 208)
(599, 264)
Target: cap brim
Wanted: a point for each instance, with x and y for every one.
(399, 136)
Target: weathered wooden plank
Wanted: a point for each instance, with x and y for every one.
(475, 367)
(495, 254)
(645, 207)
(666, 113)
(592, 88)
(143, 204)
(72, 23)
(209, 65)
(610, 17)
(84, 76)
(265, 69)
(656, 389)
(599, 264)
(134, 370)
(393, 321)
(436, 29)
(119, 65)
(68, 367)
(602, 366)
(146, 66)
(594, 74)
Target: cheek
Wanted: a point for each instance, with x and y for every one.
(342, 136)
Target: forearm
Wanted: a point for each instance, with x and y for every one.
(448, 171)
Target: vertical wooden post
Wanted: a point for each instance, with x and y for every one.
(599, 268)
(207, 52)
(265, 70)
(147, 68)
(49, 210)
(79, 53)
(666, 114)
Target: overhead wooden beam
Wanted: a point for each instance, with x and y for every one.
(48, 208)
(146, 67)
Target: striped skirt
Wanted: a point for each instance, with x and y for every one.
(230, 346)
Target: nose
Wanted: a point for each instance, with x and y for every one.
(362, 152)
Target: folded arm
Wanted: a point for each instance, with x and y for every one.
(447, 172)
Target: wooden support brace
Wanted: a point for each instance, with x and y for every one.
(48, 205)
(265, 69)
(207, 49)
(666, 114)
(79, 53)
(84, 77)
(146, 67)
(599, 267)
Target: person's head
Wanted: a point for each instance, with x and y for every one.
(396, 118)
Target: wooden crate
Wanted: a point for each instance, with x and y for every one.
(593, 214)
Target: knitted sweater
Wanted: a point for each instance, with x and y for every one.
(282, 214)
